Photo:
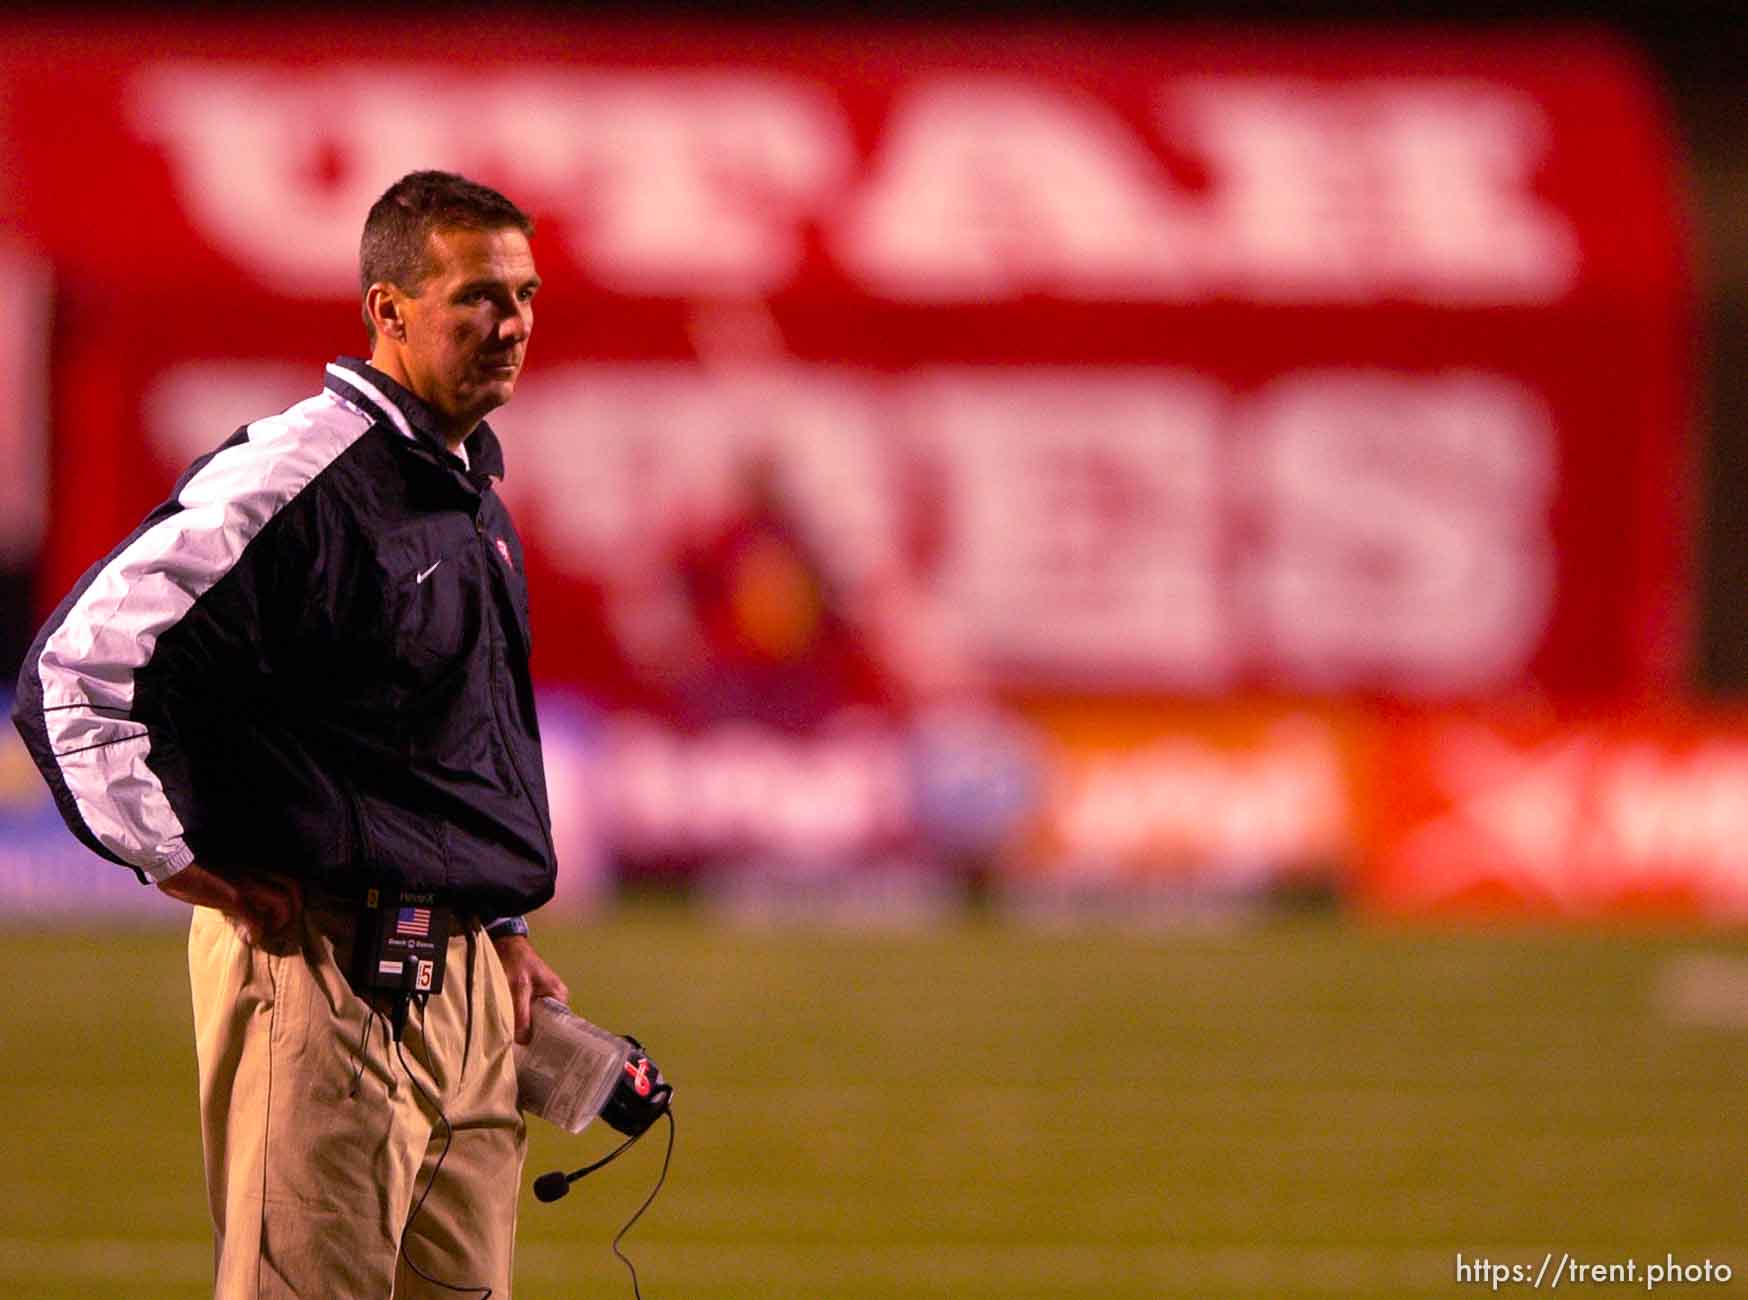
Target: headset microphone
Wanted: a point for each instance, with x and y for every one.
(549, 1187)
(636, 1097)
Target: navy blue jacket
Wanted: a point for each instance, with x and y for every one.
(313, 658)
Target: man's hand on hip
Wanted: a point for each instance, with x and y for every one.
(264, 908)
(530, 977)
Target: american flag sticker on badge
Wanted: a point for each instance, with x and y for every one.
(414, 922)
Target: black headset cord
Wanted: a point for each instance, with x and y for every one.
(549, 1187)
(484, 1292)
(668, 1114)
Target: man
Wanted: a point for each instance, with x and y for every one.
(303, 678)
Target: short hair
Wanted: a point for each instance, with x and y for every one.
(396, 247)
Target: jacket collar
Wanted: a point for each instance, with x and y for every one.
(389, 403)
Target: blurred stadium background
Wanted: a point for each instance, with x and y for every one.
(1141, 621)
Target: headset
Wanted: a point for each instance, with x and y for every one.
(639, 1098)
(549, 1187)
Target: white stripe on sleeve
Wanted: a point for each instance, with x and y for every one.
(88, 665)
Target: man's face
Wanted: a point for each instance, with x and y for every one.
(468, 326)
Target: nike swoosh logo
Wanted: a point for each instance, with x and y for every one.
(427, 573)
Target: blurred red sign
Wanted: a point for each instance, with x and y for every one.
(1628, 816)
(1132, 363)
(25, 313)
(1217, 800)
(909, 166)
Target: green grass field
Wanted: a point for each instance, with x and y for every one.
(1299, 1108)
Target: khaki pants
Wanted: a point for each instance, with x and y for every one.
(316, 1152)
